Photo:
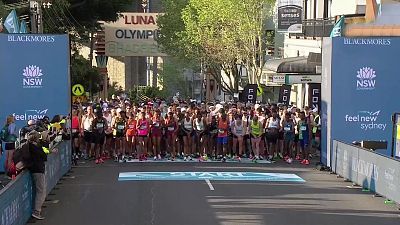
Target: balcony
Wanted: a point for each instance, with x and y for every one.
(316, 28)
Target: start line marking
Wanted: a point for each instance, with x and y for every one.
(193, 176)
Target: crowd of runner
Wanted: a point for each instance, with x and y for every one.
(192, 131)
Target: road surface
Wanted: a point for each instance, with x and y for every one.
(92, 194)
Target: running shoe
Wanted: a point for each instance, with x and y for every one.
(97, 161)
(270, 157)
(280, 155)
(298, 157)
(307, 162)
(289, 160)
(239, 159)
(159, 157)
(101, 160)
(303, 162)
(185, 158)
(261, 158)
(155, 158)
(224, 159)
(190, 158)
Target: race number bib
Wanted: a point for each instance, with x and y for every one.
(131, 126)
(171, 128)
(303, 128)
(287, 128)
(121, 127)
(221, 131)
(100, 125)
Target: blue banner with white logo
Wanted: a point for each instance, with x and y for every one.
(34, 76)
(12, 23)
(363, 85)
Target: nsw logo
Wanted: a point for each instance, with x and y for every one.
(366, 79)
(32, 77)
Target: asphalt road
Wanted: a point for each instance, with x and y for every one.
(92, 194)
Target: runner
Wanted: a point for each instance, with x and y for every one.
(156, 125)
(305, 135)
(171, 130)
(86, 132)
(272, 134)
(142, 128)
(287, 127)
(223, 126)
(238, 131)
(99, 126)
(131, 135)
(200, 127)
(119, 126)
(75, 130)
(256, 133)
(187, 134)
(109, 134)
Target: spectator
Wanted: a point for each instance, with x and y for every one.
(9, 136)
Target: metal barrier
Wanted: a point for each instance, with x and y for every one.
(378, 173)
(16, 198)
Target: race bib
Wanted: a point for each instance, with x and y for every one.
(121, 127)
(221, 131)
(100, 125)
(287, 128)
(131, 126)
(143, 127)
(156, 124)
(171, 128)
(303, 128)
(74, 130)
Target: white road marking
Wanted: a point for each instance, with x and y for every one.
(209, 185)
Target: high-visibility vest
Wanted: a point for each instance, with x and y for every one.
(315, 128)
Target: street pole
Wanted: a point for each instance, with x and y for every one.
(33, 6)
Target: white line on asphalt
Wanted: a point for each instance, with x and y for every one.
(209, 185)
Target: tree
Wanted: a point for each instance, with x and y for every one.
(83, 73)
(172, 77)
(222, 34)
(3, 12)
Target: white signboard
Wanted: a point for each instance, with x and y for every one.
(303, 79)
(278, 79)
(134, 34)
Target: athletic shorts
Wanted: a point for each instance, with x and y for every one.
(98, 139)
(88, 137)
(296, 138)
(119, 135)
(9, 146)
(222, 140)
(281, 135)
(288, 137)
(304, 143)
(75, 135)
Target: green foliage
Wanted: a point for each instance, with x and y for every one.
(114, 89)
(83, 73)
(172, 77)
(221, 33)
(3, 12)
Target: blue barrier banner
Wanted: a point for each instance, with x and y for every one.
(58, 164)
(373, 171)
(16, 201)
(237, 176)
(34, 76)
(357, 83)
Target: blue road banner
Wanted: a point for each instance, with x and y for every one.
(192, 176)
(23, 28)
(34, 76)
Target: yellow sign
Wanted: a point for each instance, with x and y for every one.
(78, 90)
(79, 99)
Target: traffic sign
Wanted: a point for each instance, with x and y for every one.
(189, 176)
(79, 99)
(78, 90)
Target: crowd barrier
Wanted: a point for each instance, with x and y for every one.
(378, 173)
(16, 198)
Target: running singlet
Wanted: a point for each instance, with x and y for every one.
(99, 126)
(120, 126)
(87, 123)
(256, 129)
(199, 125)
(170, 126)
(156, 128)
(131, 128)
(303, 130)
(143, 128)
(188, 125)
(75, 124)
(222, 128)
(287, 127)
(239, 129)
